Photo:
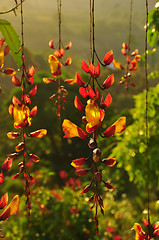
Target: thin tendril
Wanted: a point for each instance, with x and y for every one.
(12, 9)
(130, 24)
(91, 27)
(22, 39)
(93, 33)
(147, 141)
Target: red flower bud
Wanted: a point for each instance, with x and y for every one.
(15, 176)
(12, 155)
(109, 161)
(34, 158)
(82, 172)
(20, 147)
(98, 176)
(7, 165)
(51, 45)
(108, 185)
(79, 161)
(86, 189)
(16, 81)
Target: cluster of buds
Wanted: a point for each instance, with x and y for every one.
(94, 113)
(56, 62)
(13, 206)
(152, 232)
(131, 65)
(3, 52)
(23, 115)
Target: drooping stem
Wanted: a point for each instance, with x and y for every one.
(22, 39)
(90, 27)
(147, 141)
(130, 25)
(93, 33)
(59, 18)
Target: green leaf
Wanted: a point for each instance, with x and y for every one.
(12, 39)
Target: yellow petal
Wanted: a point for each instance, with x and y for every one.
(120, 125)
(11, 209)
(117, 64)
(48, 80)
(1, 58)
(42, 133)
(70, 129)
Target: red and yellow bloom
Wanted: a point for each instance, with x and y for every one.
(94, 116)
(21, 116)
(55, 65)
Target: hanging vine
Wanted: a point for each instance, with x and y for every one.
(132, 58)
(56, 63)
(22, 119)
(94, 113)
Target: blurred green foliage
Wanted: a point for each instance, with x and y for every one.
(130, 151)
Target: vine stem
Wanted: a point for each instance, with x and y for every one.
(129, 38)
(147, 141)
(12, 9)
(22, 39)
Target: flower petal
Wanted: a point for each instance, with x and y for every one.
(39, 133)
(116, 127)
(117, 65)
(72, 130)
(11, 209)
(70, 81)
(3, 201)
(108, 58)
(79, 80)
(109, 81)
(7, 164)
(78, 104)
(85, 66)
(48, 80)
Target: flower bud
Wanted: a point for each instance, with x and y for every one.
(82, 172)
(84, 119)
(86, 189)
(98, 177)
(92, 143)
(96, 155)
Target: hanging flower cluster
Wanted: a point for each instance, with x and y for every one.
(56, 61)
(131, 65)
(151, 232)
(3, 52)
(93, 115)
(13, 206)
(23, 115)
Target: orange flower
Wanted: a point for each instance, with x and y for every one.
(94, 115)
(21, 116)
(55, 66)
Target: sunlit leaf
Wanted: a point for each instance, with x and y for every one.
(12, 39)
